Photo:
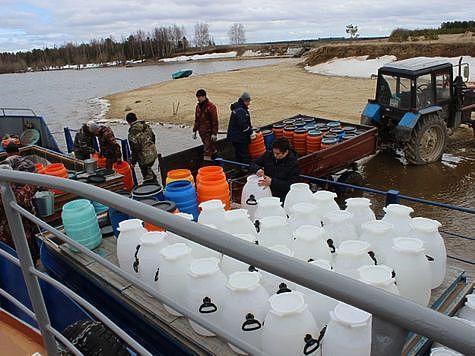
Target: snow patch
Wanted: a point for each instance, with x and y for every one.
(362, 67)
(251, 53)
(198, 57)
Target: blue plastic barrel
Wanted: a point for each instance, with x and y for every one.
(183, 194)
(116, 216)
(145, 191)
(98, 207)
(80, 223)
(268, 138)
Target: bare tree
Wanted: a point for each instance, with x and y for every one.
(352, 30)
(237, 34)
(202, 38)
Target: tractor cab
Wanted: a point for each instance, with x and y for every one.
(416, 101)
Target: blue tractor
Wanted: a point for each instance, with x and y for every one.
(418, 103)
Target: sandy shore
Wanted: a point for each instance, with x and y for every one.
(278, 91)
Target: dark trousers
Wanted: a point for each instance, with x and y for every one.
(241, 151)
(148, 174)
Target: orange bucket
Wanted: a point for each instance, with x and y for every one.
(179, 174)
(56, 170)
(124, 169)
(257, 146)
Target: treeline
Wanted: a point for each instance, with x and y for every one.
(160, 42)
(453, 27)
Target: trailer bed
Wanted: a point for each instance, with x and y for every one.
(317, 164)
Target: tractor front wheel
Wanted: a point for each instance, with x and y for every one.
(428, 140)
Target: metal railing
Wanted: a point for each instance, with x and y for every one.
(393, 316)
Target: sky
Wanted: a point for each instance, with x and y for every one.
(32, 24)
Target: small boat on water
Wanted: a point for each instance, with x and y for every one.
(183, 73)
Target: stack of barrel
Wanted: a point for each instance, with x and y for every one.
(124, 169)
(300, 141)
(211, 183)
(257, 147)
(179, 174)
(278, 130)
(314, 139)
(289, 133)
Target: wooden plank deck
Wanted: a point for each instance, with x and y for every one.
(179, 328)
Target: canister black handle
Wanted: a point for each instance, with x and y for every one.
(331, 244)
(156, 275)
(136, 262)
(283, 289)
(257, 225)
(207, 307)
(252, 269)
(373, 257)
(311, 344)
(430, 258)
(251, 324)
(251, 200)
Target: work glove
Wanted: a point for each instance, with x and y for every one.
(214, 138)
(253, 135)
(194, 135)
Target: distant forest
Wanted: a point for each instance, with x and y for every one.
(159, 43)
(402, 34)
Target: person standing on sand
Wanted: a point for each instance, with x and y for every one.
(142, 145)
(206, 124)
(240, 131)
(110, 149)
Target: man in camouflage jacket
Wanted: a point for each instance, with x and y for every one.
(110, 149)
(142, 145)
(83, 143)
(206, 123)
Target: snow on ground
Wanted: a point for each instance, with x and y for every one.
(251, 53)
(361, 67)
(198, 57)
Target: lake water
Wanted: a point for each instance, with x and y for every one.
(68, 97)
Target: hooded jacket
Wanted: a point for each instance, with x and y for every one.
(283, 172)
(239, 127)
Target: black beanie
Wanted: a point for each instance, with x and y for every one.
(201, 92)
(131, 117)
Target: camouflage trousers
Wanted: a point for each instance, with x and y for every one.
(148, 174)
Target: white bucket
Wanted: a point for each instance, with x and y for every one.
(269, 206)
(147, 256)
(274, 230)
(212, 213)
(245, 307)
(205, 292)
(379, 276)
(348, 333)
(351, 255)
(289, 327)
(171, 277)
(310, 243)
(131, 231)
(298, 193)
(339, 226)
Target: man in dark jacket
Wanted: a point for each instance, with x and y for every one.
(110, 149)
(83, 143)
(206, 123)
(240, 130)
(142, 145)
(279, 168)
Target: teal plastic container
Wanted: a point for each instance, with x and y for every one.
(80, 223)
(98, 207)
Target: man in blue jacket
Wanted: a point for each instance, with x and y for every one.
(240, 131)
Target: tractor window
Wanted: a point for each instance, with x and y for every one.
(442, 87)
(395, 91)
(424, 91)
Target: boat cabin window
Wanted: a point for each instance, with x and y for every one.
(395, 91)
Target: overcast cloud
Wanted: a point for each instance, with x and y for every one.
(44, 23)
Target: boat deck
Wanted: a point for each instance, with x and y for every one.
(179, 328)
(16, 338)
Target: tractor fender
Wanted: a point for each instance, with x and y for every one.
(402, 132)
(371, 114)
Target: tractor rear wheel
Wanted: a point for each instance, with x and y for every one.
(428, 140)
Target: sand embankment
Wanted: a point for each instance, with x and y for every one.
(278, 91)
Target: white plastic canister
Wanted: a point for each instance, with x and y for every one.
(131, 231)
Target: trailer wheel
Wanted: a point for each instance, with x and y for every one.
(349, 177)
(428, 140)
(93, 338)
